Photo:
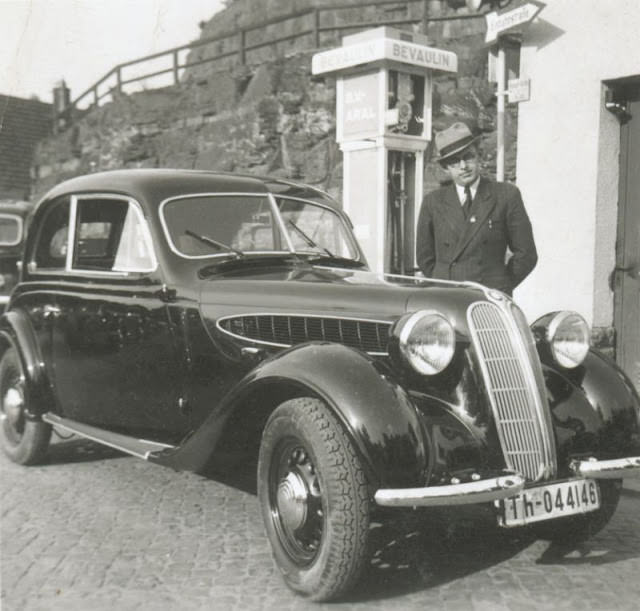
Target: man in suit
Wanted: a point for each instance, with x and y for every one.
(474, 229)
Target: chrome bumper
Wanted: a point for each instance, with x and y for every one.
(483, 491)
(607, 469)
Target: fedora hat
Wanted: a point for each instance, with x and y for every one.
(452, 140)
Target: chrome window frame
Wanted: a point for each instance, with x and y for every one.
(68, 269)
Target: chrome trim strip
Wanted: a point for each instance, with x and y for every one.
(279, 345)
(607, 469)
(482, 491)
(113, 440)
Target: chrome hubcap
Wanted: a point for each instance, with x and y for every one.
(292, 501)
(297, 502)
(13, 405)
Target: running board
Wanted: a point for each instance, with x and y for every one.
(141, 448)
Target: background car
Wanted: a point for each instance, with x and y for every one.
(13, 221)
(177, 314)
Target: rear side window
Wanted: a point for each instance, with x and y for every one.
(53, 238)
(111, 235)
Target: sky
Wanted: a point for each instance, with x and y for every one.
(45, 41)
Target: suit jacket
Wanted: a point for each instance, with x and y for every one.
(452, 248)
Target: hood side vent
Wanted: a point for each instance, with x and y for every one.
(284, 330)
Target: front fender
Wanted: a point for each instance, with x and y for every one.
(595, 411)
(374, 409)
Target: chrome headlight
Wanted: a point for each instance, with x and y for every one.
(568, 336)
(427, 341)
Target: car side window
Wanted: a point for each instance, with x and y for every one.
(111, 235)
(52, 242)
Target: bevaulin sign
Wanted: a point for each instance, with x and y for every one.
(384, 49)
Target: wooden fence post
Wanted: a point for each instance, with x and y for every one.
(176, 76)
(241, 50)
(316, 28)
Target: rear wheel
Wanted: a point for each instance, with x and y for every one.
(314, 499)
(24, 441)
(575, 529)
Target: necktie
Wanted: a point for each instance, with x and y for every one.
(466, 207)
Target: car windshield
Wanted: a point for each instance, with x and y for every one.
(252, 224)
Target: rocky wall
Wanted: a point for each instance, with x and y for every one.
(268, 116)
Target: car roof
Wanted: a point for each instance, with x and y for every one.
(15, 207)
(156, 185)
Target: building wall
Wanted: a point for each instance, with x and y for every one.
(568, 147)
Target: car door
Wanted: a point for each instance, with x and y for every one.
(114, 354)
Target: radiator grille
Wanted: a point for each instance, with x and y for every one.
(511, 394)
(286, 330)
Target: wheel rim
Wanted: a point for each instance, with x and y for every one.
(12, 408)
(295, 499)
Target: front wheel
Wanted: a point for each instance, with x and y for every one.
(24, 441)
(314, 499)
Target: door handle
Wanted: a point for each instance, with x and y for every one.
(167, 294)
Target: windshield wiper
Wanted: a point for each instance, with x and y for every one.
(211, 242)
(336, 259)
(308, 240)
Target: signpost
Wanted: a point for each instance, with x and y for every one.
(500, 23)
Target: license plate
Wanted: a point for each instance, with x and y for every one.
(547, 502)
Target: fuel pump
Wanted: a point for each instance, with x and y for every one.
(383, 126)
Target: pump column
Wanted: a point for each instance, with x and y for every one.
(383, 126)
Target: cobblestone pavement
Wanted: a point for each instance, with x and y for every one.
(96, 530)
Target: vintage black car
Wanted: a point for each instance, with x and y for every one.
(13, 221)
(168, 313)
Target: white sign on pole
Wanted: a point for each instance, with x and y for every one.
(519, 90)
(501, 22)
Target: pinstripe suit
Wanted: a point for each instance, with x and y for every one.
(452, 248)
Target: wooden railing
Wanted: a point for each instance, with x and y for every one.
(242, 45)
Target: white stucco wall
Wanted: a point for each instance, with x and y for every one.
(568, 146)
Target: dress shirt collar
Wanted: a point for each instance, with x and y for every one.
(473, 187)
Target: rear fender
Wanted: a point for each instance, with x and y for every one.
(374, 409)
(16, 331)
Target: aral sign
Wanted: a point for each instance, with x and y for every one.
(505, 21)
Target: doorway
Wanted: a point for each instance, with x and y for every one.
(625, 278)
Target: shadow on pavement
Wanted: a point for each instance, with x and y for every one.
(418, 553)
(77, 450)
(588, 553)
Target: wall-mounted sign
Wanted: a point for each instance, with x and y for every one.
(519, 90)
(358, 112)
(500, 22)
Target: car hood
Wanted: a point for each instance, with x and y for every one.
(318, 290)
